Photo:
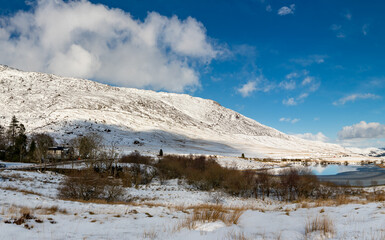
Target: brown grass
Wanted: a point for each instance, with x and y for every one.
(20, 190)
(211, 213)
(322, 224)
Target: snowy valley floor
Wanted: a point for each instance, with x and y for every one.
(174, 211)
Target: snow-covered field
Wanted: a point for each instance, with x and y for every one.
(147, 121)
(163, 211)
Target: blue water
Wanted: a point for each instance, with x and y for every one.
(333, 169)
(356, 175)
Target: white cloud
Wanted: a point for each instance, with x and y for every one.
(303, 96)
(294, 120)
(295, 101)
(362, 130)
(81, 39)
(248, 88)
(307, 80)
(259, 84)
(314, 137)
(288, 85)
(268, 8)
(289, 102)
(311, 83)
(308, 85)
(354, 97)
(286, 10)
(292, 75)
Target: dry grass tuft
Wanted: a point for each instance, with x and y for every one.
(206, 213)
(232, 235)
(322, 224)
(150, 234)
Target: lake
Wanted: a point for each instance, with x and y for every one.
(356, 175)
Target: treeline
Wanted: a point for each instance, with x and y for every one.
(202, 172)
(16, 146)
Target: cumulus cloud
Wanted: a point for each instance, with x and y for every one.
(290, 120)
(248, 88)
(81, 39)
(286, 10)
(314, 137)
(362, 130)
(354, 97)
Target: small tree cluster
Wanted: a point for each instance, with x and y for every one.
(16, 146)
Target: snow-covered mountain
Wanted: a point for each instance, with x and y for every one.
(143, 119)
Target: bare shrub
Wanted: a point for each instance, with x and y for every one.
(88, 185)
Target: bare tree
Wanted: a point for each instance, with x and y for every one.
(42, 143)
(88, 146)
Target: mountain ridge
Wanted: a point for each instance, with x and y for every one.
(66, 107)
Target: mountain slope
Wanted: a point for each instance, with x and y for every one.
(67, 107)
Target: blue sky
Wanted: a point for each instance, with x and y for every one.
(303, 67)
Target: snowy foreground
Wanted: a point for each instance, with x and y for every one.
(165, 212)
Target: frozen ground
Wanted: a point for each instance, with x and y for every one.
(160, 211)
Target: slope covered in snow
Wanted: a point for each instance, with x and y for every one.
(67, 107)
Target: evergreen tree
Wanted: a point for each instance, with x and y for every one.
(32, 149)
(2, 138)
(13, 130)
(17, 141)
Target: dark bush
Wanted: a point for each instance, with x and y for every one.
(136, 157)
(206, 174)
